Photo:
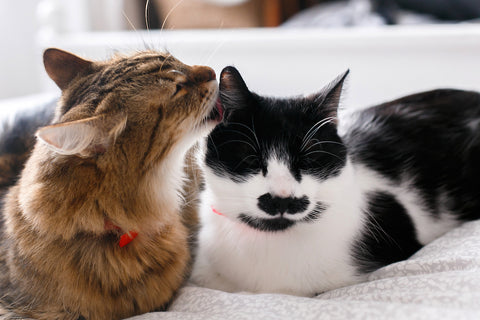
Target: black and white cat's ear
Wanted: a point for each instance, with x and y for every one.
(234, 92)
(328, 99)
(86, 137)
(62, 67)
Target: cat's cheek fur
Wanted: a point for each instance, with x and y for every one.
(278, 181)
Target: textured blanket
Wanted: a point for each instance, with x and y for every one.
(441, 281)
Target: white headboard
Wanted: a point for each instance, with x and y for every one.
(385, 63)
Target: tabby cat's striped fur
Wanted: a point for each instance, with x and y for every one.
(110, 164)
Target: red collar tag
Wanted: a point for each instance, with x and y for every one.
(125, 238)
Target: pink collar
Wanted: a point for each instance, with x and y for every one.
(217, 212)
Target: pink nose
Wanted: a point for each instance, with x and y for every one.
(202, 74)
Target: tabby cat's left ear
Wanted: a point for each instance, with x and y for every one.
(86, 137)
(62, 67)
(328, 99)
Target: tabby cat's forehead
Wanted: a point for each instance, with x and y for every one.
(163, 62)
(121, 72)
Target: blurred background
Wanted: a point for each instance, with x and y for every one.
(280, 46)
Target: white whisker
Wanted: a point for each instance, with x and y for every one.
(244, 159)
(146, 15)
(314, 129)
(243, 134)
(242, 141)
(249, 129)
(170, 12)
(323, 142)
(216, 48)
(325, 152)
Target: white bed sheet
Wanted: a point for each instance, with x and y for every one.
(441, 281)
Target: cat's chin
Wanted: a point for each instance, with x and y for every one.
(267, 225)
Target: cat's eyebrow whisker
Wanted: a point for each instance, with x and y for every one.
(314, 129)
(214, 145)
(244, 159)
(177, 72)
(319, 123)
(242, 141)
(165, 60)
(169, 13)
(248, 128)
(130, 23)
(242, 133)
(146, 15)
(325, 152)
(322, 142)
(221, 44)
(254, 133)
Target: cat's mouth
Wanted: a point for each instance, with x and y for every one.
(217, 112)
(267, 225)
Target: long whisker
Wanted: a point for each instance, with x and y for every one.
(130, 23)
(216, 48)
(248, 128)
(146, 15)
(325, 152)
(254, 133)
(242, 133)
(147, 22)
(321, 122)
(314, 129)
(242, 141)
(244, 159)
(213, 143)
(165, 60)
(323, 142)
(170, 12)
(128, 20)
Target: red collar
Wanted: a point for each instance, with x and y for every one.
(125, 238)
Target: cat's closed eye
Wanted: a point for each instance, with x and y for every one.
(178, 89)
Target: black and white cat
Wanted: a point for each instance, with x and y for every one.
(293, 206)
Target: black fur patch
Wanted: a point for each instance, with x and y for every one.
(430, 138)
(270, 225)
(388, 236)
(257, 128)
(276, 205)
(281, 222)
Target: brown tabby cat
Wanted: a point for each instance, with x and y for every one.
(93, 228)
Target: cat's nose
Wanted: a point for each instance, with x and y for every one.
(201, 74)
(276, 205)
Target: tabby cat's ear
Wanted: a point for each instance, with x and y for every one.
(86, 137)
(62, 67)
(233, 90)
(328, 99)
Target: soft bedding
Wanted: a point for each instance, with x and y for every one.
(441, 281)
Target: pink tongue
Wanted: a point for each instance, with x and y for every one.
(220, 108)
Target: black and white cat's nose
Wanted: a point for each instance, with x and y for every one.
(273, 205)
